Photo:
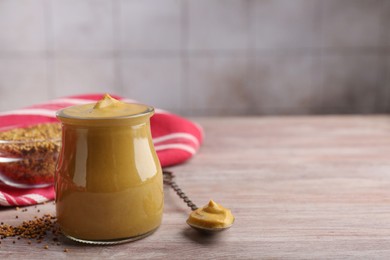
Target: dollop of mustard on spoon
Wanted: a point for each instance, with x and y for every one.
(211, 217)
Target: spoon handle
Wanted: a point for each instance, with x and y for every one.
(168, 179)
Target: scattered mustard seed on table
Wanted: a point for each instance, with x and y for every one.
(30, 229)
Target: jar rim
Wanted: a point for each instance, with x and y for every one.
(134, 118)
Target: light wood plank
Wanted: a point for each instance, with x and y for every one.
(300, 188)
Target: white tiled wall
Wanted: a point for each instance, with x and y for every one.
(22, 26)
(156, 80)
(81, 25)
(283, 24)
(200, 57)
(218, 25)
(73, 75)
(22, 80)
(287, 80)
(358, 93)
(150, 25)
(230, 80)
(353, 23)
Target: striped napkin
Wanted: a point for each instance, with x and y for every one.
(176, 139)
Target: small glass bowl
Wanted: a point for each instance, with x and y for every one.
(29, 163)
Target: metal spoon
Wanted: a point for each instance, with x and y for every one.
(168, 179)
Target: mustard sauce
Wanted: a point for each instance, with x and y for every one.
(107, 107)
(212, 215)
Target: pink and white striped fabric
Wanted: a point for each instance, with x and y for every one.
(176, 139)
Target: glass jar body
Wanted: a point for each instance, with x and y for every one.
(108, 183)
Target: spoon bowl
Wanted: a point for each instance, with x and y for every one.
(208, 230)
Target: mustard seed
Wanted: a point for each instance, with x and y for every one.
(31, 170)
(36, 228)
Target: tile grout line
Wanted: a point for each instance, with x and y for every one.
(153, 54)
(251, 56)
(117, 45)
(184, 58)
(316, 51)
(51, 70)
(385, 78)
(321, 14)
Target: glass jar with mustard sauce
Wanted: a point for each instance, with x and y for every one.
(108, 178)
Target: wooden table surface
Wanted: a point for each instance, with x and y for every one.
(299, 187)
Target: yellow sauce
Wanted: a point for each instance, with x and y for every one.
(108, 177)
(212, 215)
(107, 107)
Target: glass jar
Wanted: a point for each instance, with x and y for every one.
(108, 178)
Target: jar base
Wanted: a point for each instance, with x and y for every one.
(111, 241)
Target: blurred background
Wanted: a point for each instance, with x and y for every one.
(200, 57)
